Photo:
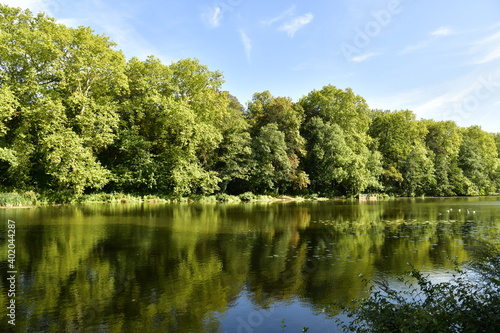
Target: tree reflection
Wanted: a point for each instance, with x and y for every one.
(165, 267)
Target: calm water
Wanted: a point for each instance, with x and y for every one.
(223, 268)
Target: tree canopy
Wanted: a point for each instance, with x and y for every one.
(77, 117)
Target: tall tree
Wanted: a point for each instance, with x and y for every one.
(408, 167)
(478, 158)
(171, 128)
(444, 139)
(348, 116)
(273, 169)
(234, 162)
(265, 109)
(65, 82)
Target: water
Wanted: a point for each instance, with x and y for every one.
(224, 267)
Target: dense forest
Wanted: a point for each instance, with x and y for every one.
(77, 117)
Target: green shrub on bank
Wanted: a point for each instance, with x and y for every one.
(468, 303)
(247, 196)
(223, 197)
(15, 199)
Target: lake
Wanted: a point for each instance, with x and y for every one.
(249, 267)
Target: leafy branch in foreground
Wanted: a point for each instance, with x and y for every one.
(470, 302)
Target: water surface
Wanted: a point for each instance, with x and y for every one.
(224, 267)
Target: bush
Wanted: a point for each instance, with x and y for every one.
(247, 196)
(16, 199)
(468, 303)
(223, 197)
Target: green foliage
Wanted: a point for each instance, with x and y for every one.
(443, 140)
(468, 303)
(17, 199)
(339, 159)
(478, 158)
(76, 117)
(233, 161)
(58, 81)
(273, 169)
(247, 196)
(264, 110)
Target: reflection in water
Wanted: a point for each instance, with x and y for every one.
(231, 268)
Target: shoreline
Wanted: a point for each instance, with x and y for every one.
(214, 199)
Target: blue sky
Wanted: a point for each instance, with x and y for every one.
(440, 59)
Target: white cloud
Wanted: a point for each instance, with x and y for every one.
(442, 32)
(467, 99)
(289, 12)
(213, 16)
(48, 6)
(438, 33)
(490, 56)
(294, 25)
(487, 49)
(247, 44)
(411, 48)
(363, 57)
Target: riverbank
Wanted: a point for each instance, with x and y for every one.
(31, 199)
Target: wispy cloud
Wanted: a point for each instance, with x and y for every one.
(297, 23)
(287, 13)
(487, 49)
(442, 32)
(464, 98)
(49, 7)
(363, 57)
(438, 33)
(247, 44)
(116, 22)
(213, 16)
(412, 48)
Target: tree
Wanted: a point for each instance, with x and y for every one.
(265, 109)
(406, 161)
(171, 128)
(478, 158)
(234, 155)
(65, 82)
(418, 171)
(339, 160)
(328, 156)
(273, 170)
(444, 139)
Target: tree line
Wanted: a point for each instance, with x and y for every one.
(77, 117)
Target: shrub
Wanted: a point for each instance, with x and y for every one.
(468, 303)
(17, 199)
(247, 196)
(223, 197)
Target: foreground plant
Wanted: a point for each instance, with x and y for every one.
(470, 302)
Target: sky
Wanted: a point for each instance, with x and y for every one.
(440, 59)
